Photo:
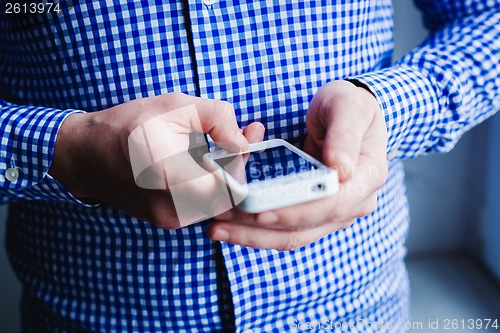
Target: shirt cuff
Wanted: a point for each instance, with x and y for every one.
(408, 99)
(28, 138)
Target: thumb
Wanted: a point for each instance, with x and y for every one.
(207, 116)
(343, 140)
(218, 119)
(254, 132)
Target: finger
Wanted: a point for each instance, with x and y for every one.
(211, 116)
(343, 143)
(348, 203)
(355, 198)
(349, 114)
(312, 148)
(254, 132)
(238, 216)
(196, 193)
(218, 119)
(263, 238)
(235, 166)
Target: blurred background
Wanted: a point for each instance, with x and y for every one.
(454, 240)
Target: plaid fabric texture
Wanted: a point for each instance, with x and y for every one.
(95, 269)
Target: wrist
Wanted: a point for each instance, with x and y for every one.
(368, 94)
(71, 138)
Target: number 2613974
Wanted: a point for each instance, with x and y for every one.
(32, 7)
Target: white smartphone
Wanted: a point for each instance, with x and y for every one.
(271, 174)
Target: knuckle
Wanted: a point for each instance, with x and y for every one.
(347, 224)
(176, 96)
(285, 219)
(380, 181)
(334, 216)
(296, 227)
(339, 224)
(293, 241)
(250, 242)
(383, 171)
(339, 84)
(224, 107)
(368, 206)
(289, 221)
(242, 237)
(363, 211)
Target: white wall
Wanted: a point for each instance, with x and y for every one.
(492, 228)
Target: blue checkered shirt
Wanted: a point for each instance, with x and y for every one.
(95, 269)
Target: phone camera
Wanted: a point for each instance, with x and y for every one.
(321, 187)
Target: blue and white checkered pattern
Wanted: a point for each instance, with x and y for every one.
(95, 269)
(273, 163)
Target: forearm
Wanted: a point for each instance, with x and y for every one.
(442, 88)
(28, 135)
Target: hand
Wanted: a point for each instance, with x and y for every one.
(346, 130)
(92, 156)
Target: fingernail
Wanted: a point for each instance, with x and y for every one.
(221, 235)
(262, 130)
(268, 217)
(227, 215)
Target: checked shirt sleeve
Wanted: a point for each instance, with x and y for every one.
(446, 85)
(27, 137)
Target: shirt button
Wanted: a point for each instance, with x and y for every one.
(209, 3)
(12, 174)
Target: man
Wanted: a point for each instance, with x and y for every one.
(97, 253)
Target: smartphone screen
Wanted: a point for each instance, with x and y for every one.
(265, 164)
